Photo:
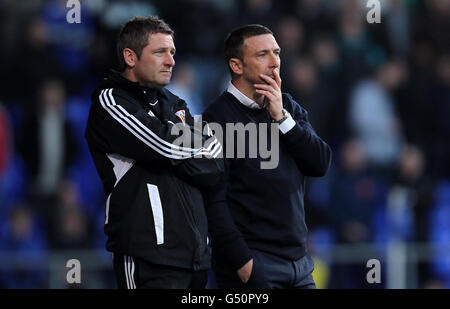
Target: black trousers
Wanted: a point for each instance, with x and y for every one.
(269, 272)
(135, 273)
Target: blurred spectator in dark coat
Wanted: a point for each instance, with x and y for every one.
(291, 34)
(315, 81)
(440, 102)
(358, 51)
(425, 110)
(416, 186)
(353, 197)
(331, 94)
(411, 195)
(303, 82)
(413, 106)
(433, 24)
(47, 144)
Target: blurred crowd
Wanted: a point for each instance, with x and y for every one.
(379, 94)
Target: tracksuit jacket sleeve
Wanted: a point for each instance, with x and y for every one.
(310, 152)
(203, 170)
(118, 126)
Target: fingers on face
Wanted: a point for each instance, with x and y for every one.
(272, 88)
(277, 77)
(270, 80)
(267, 78)
(264, 87)
(266, 93)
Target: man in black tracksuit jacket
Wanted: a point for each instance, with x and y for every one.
(155, 217)
(257, 219)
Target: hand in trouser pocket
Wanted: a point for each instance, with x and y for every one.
(257, 279)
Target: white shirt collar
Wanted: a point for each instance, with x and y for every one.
(242, 97)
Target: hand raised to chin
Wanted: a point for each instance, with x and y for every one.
(272, 93)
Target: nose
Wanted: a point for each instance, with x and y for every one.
(169, 60)
(274, 61)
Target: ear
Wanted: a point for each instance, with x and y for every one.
(129, 57)
(236, 65)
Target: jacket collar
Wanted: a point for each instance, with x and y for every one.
(117, 78)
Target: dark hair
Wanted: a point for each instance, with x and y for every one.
(235, 40)
(134, 35)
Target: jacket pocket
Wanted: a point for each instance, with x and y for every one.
(158, 218)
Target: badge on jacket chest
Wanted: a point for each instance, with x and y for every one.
(181, 114)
